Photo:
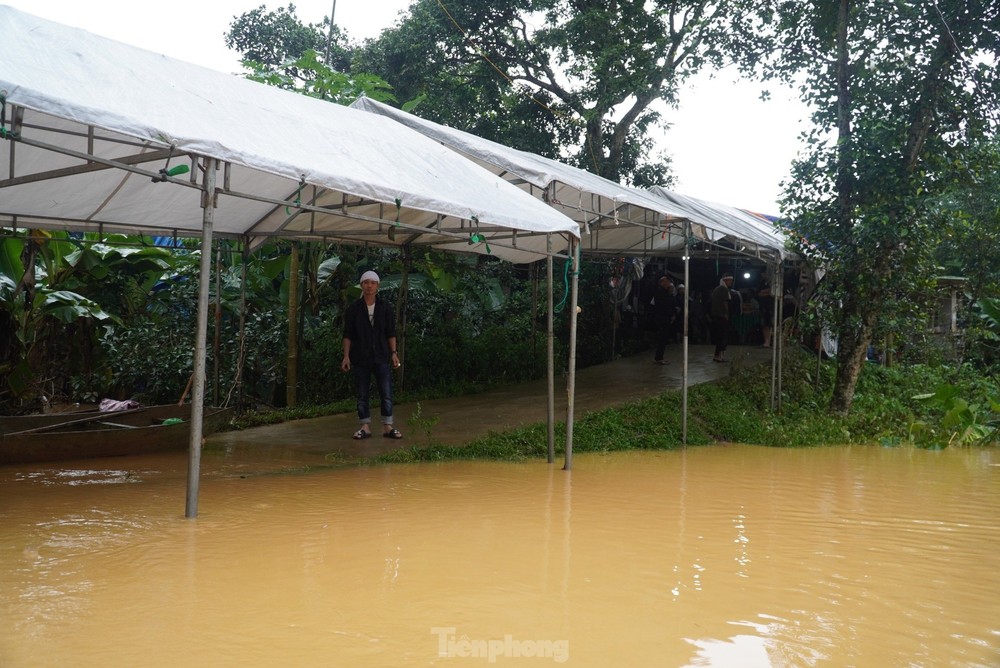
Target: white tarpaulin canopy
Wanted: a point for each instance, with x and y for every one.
(758, 236)
(613, 218)
(90, 121)
(94, 131)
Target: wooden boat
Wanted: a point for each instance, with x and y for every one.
(9, 423)
(86, 434)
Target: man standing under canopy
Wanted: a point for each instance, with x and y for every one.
(370, 348)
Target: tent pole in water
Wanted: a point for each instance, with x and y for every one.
(687, 300)
(574, 249)
(550, 354)
(201, 340)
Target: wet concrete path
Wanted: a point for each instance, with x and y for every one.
(458, 420)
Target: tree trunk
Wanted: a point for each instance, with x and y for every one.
(851, 340)
(852, 350)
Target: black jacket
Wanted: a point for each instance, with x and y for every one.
(370, 340)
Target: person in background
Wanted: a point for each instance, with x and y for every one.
(370, 348)
(720, 316)
(665, 311)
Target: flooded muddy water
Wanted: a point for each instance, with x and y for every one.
(714, 556)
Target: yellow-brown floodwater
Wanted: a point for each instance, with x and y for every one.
(714, 556)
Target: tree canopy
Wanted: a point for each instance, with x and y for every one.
(902, 93)
(313, 59)
(569, 79)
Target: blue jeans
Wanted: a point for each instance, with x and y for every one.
(383, 379)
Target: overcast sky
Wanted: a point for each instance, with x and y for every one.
(727, 145)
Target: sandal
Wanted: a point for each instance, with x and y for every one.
(361, 434)
(392, 433)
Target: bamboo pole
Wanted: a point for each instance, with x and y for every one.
(245, 254)
(292, 372)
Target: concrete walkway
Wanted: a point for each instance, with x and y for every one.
(458, 420)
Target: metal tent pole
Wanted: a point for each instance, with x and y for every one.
(201, 339)
(550, 355)
(574, 249)
(684, 365)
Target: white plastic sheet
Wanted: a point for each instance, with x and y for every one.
(82, 106)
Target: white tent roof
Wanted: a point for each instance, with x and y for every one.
(728, 221)
(614, 218)
(89, 122)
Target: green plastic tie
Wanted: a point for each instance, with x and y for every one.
(298, 196)
(3, 115)
(478, 237)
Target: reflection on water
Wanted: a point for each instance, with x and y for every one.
(716, 556)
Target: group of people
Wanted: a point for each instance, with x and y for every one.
(668, 304)
(668, 309)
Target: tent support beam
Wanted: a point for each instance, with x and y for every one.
(201, 340)
(499, 236)
(94, 164)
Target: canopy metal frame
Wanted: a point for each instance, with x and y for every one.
(204, 173)
(372, 229)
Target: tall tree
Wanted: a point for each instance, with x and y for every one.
(900, 91)
(570, 79)
(272, 38)
(310, 58)
(971, 215)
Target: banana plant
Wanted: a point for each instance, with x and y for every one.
(989, 313)
(43, 312)
(961, 422)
